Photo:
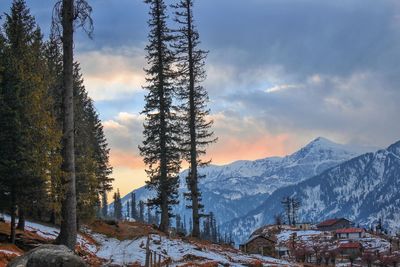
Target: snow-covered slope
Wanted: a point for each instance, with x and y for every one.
(232, 190)
(362, 189)
(126, 252)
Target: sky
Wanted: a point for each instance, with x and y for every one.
(279, 74)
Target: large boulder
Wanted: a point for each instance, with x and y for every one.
(48, 256)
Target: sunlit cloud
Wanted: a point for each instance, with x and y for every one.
(246, 138)
(112, 74)
(282, 87)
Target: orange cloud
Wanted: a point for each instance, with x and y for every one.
(231, 149)
(125, 159)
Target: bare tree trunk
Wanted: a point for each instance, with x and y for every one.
(68, 230)
(21, 219)
(52, 217)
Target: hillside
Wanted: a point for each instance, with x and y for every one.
(124, 244)
(363, 189)
(232, 190)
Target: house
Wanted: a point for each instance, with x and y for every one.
(259, 244)
(350, 233)
(303, 226)
(334, 224)
(282, 251)
(351, 248)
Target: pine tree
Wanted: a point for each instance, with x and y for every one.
(141, 211)
(286, 203)
(213, 227)
(128, 209)
(53, 56)
(29, 134)
(91, 152)
(196, 128)
(133, 206)
(160, 148)
(117, 206)
(178, 222)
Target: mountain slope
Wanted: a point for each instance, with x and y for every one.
(362, 189)
(232, 190)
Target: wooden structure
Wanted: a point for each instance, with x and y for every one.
(350, 233)
(334, 224)
(153, 258)
(259, 244)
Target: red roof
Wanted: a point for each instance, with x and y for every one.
(349, 230)
(329, 222)
(350, 245)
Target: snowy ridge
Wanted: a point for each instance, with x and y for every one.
(232, 190)
(363, 189)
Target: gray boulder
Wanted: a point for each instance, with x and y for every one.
(48, 256)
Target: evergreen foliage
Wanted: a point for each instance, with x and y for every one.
(31, 121)
(29, 134)
(141, 211)
(196, 130)
(160, 148)
(117, 206)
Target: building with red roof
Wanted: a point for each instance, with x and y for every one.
(350, 233)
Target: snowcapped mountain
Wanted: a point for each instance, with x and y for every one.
(363, 189)
(232, 190)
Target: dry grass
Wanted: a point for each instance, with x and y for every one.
(123, 230)
(25, 235)
(13, 251)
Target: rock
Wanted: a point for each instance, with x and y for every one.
(48, 256)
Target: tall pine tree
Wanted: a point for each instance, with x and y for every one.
(160, 146)
(196, 127)
(29, 134)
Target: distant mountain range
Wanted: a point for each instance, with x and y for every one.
(241, 190)
(363, 189)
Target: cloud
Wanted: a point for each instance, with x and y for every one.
(357, 108)
(277, 88)
(246, 138)
(124, 132)
(112, 74)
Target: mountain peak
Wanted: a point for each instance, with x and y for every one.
(395, 148)
(323, 141)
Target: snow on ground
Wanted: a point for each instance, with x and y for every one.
(285, 235)
(9, 252)
(129, 251)
(51, 232)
